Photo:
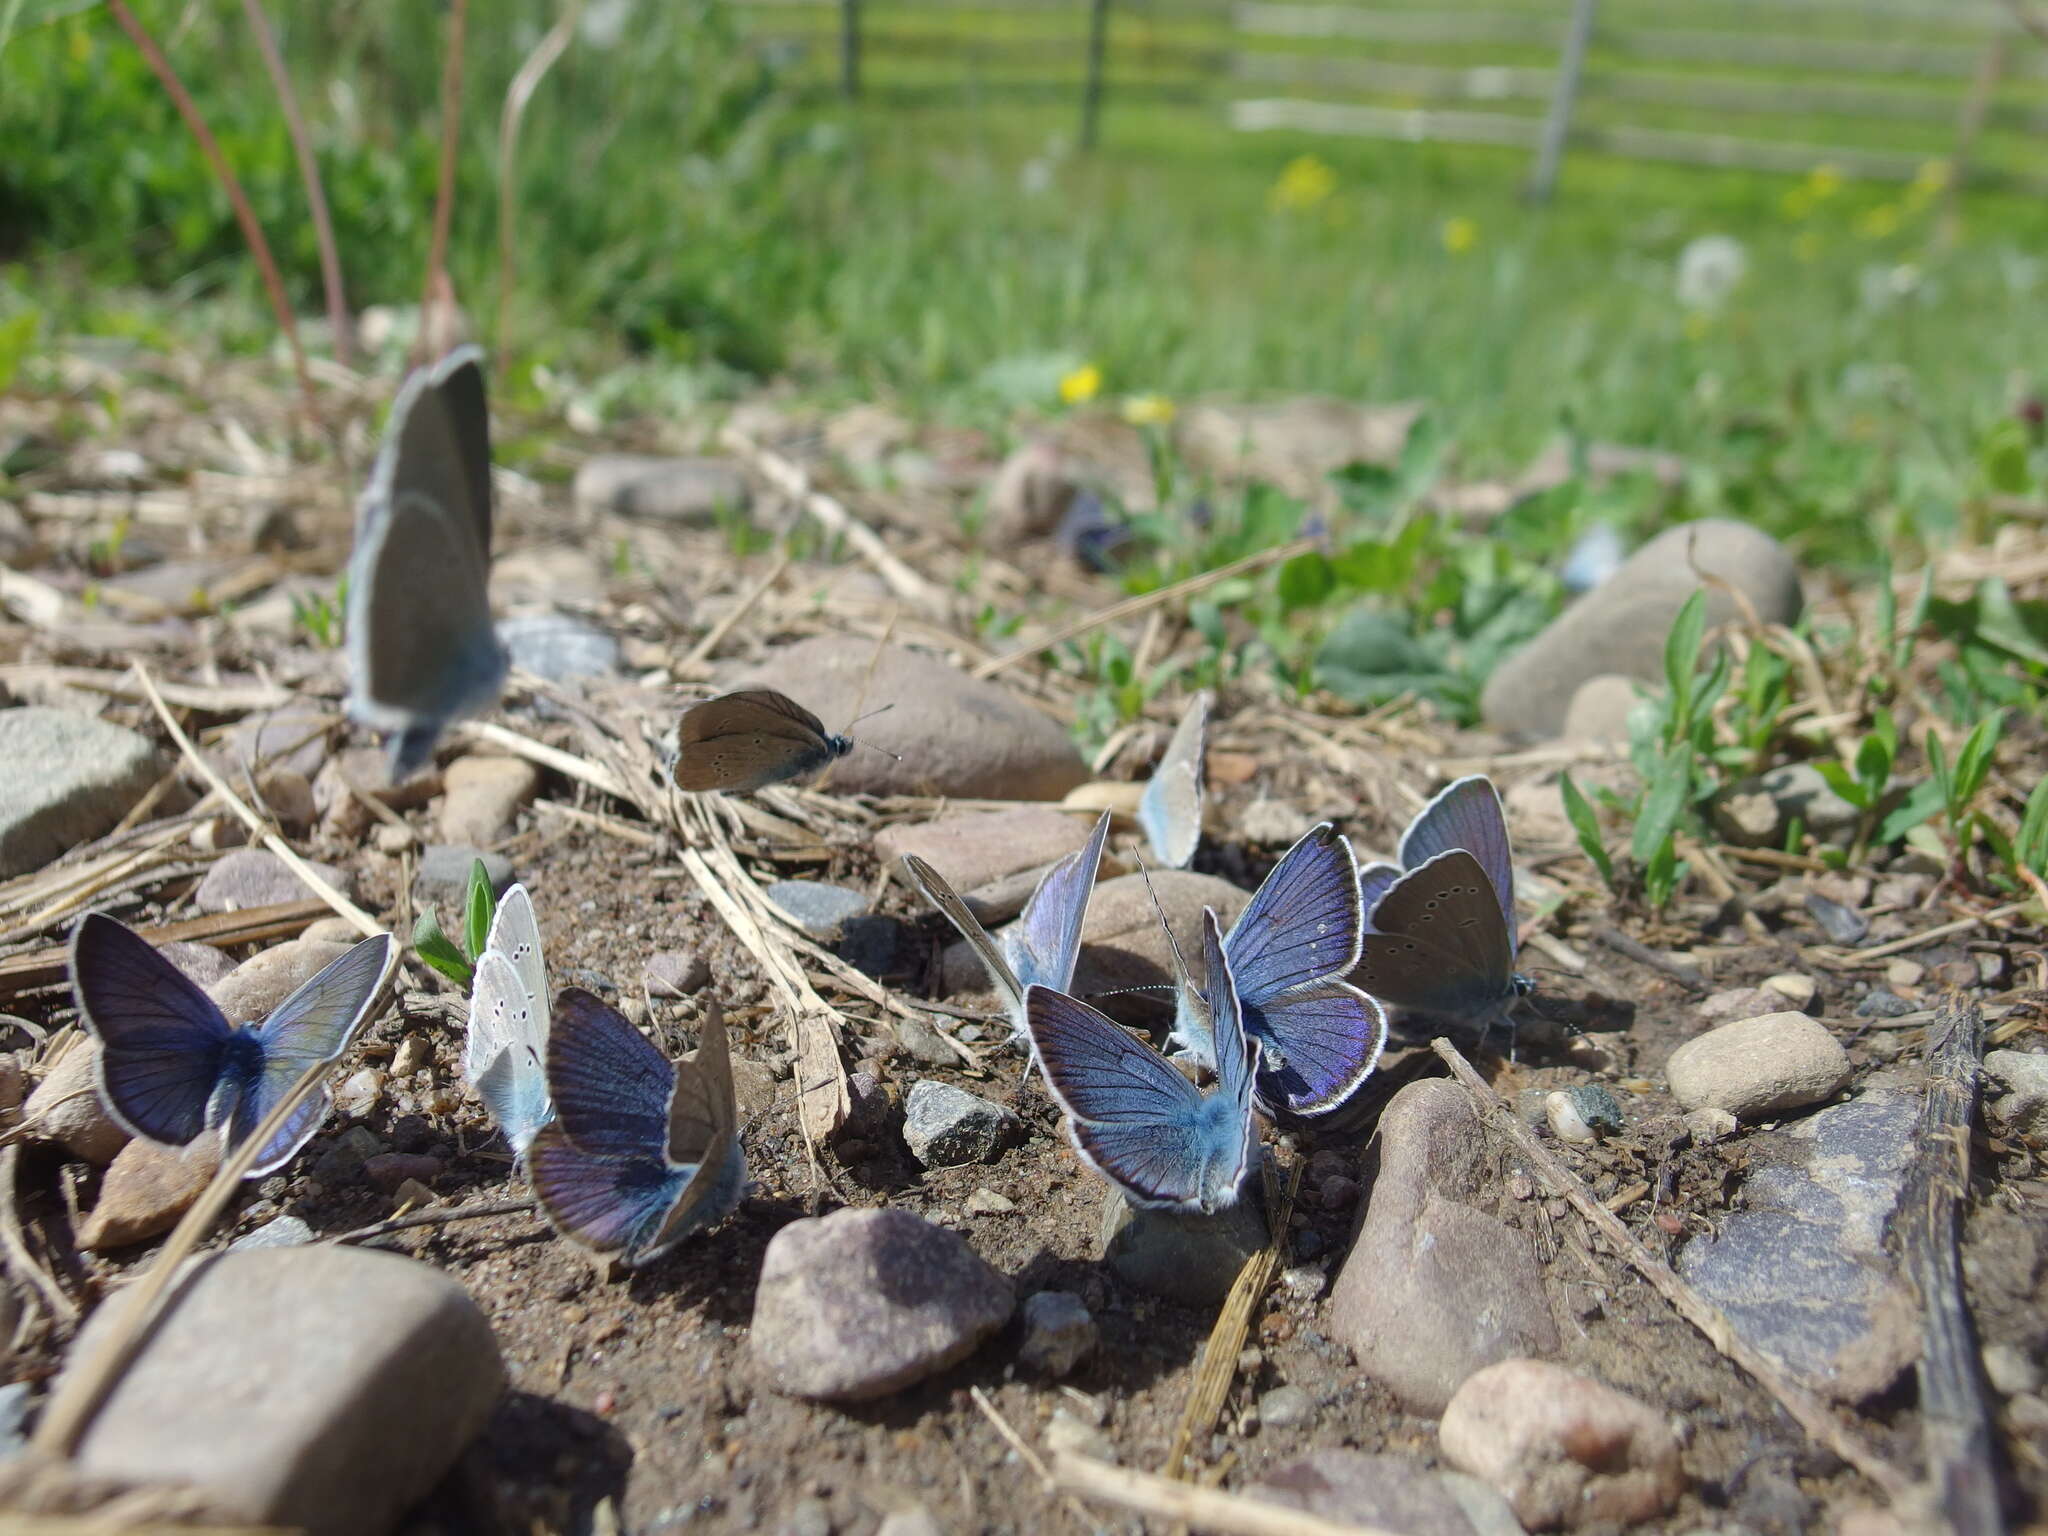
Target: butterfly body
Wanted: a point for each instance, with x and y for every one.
(1133, 1116)
(642, 1152)
(171, 1066)
(1319, 1036)
(422, 651)
(750, 739)
(1440, 928)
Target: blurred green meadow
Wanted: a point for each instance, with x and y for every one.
(694, 196)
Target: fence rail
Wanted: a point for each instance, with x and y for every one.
(1875, 88)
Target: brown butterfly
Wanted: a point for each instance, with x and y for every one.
(749, 739)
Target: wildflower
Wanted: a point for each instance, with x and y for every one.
(1304, 182)
(1460, 234)
(1709, 269)
(1880, 222)
(1148, 410)
(1824, 181)
(1081, 385)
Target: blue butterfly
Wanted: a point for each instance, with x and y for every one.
(1040, 948)
(1320, 1037)
(1132, 1115)
(1170, 810)
(1440, 927)
(641, 1152)
(421, 649)
(171, 1065)
(503, 1054)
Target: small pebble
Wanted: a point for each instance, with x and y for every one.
(820, 910)
(413, 1053)
(1059, 1333)
(1583, 1113)
(1796, 989)
(1883, 1003)
(2009, 1370)
(986, 1202)
(1843, 925)
(1064, 1432)
(945, 1126)
(2028, 1414)
(807, 1517)
(1759, 1068)
(283, 1232)
(1285, 1407)
(1904, 973)
(1708, 1126)
(676, 973)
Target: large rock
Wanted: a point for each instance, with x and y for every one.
(1801, 1268)
(1391, 1493)
(1293, 444)
(253, 989)
(320, 1387)
(146, 1189)
(256, 877)
(293, 737)
(69, 779)
(1563, 1448)
(944, 733)
(1759, 1067)
(972, 848)
(674, 490)
(862, 1303)
(1435, 1288)
(1189, 1258)
(2024, 1077)
(66, 1106)
(1619, 626)
(483, 796)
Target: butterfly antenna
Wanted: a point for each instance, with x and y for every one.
(879, 709)
(1180, 962)
(894, 757)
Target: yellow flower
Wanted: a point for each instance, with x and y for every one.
(1304, 182)
(1460, 234)
(1807, 246)
(1824, 181)
(1797, 203)
(1696, 325)
(1148, 410)
(1082, 385)
(1879, 222)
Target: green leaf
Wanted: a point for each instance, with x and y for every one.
(1663, 875)
(479, 907)
(1306, 580)
(1587, 824)
(17, 338)
(434, 947)
(2003, 458)
(2030, 843)
(1664, 801)
(1682, 654)
(1852, 787)
(1923, 803)
(1973, 761)
(1873, 767)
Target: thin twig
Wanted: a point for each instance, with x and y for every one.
(1955, 1425)
(1642, 954)
(517, 97)
(1132, 606)
(570, 766)
(701, 651)
(252, 232)
(1862, 957)
(14, 1241)
(309, 170)
(1814, 1416)
(312, 879)
(1208, 1509)
(444, 193)
(439, 1216)
(828, 512)
(1017, 1443)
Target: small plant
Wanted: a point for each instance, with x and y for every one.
(1866, 780)
(480, 905)
(1957, 784)
(321, 617)
(2023, 857)
(104, 554)
(1586, 823)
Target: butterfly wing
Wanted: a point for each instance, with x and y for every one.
(1374, 881)
(607, 1204)
(747, 740)
(1170, 810)
(1466, 814)
(1440, 946)
(504, 1056)
(703, 1139)
(1320, 1044)
(1301, 925)
(609, 1083)
(1131, 1114)
(308, 1029)
(940, 893)
(163, 1043)
(516, 935)
(1044, 942)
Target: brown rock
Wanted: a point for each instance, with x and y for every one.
(1564, 1448)
(483, 795)
(66, 1106)
(147, 1187)
(1030, 494)
(256, 986)
(973, 848)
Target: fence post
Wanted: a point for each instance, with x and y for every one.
(1091, 89)
(849, 48)
(1557, 124)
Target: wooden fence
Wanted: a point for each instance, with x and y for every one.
(1876, 89)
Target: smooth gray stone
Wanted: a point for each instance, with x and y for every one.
(945, 1126)
(1193, 1260)
(69, 779)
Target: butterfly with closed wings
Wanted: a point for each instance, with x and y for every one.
(504, 1054)
(1040, 947)
(642, 1152)
(171, 1066)
(750, 739)
(1132, 1115)
(1440, 926)
(1319, 1036)
(421, 649)
(1170, 810)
